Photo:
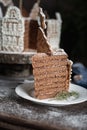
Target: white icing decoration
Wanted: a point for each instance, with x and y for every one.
(1, 14)
(0, 34)
(35, 11)
(6, 2)
(54, 31)
(13, 30)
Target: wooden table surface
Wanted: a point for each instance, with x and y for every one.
(20, 114)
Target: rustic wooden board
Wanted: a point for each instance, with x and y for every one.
(19, 113)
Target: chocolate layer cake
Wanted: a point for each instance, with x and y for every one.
(51, 74)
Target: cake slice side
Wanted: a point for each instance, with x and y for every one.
(50, 76)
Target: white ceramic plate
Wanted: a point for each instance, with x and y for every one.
(26, 91)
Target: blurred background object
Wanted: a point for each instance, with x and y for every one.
(74, 26)
(79, 74)
(3, 6)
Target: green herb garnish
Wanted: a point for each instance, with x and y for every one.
(65, 95)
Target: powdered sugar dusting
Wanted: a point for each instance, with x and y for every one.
(66, 117)
(76, 120)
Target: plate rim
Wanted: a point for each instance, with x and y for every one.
(45, 101)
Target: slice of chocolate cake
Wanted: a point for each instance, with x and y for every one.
(51, 74)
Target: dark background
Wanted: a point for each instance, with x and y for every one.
(74, 26)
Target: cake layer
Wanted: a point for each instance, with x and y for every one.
(50, 80)
(50, 75)
(44, 96)
(51, 91)
(49, 70)
(49, 86)
(49, 94)
(46, 57)
(46, 62)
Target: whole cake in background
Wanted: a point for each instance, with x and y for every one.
(17, 33)
(21, 34)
